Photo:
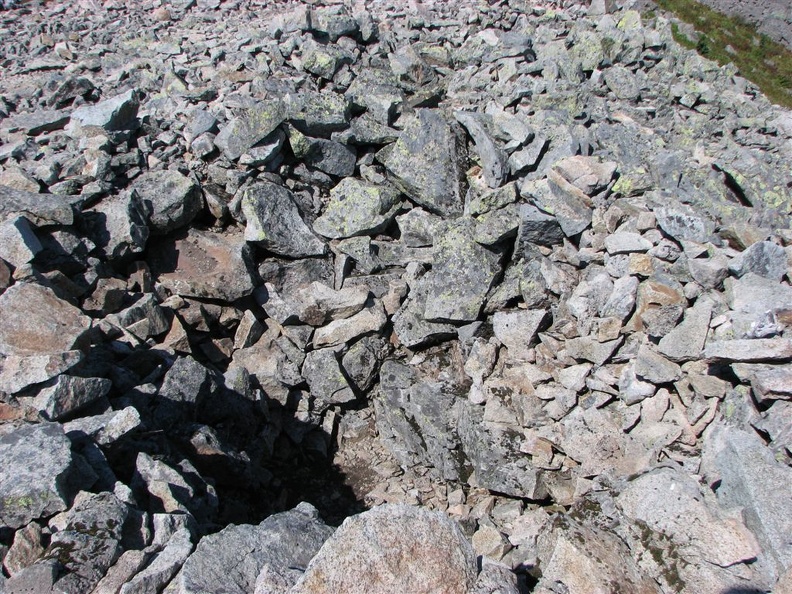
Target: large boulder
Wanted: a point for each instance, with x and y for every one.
(392, 548)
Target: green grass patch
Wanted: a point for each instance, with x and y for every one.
(759, 59)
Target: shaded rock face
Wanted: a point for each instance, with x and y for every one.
(501, 290)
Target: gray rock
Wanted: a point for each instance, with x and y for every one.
(106, 428)
(621, 301)
(172, 199)
(623, 242)
(34, 478)
(326, 379)
(462, 274)
(415, 420)
(117, 113)
(175, 490)
(90, 542)
(764, 258)
(37, 122)
(26, 548)
(269, 557)
(204, 264)
(426, 163)
(683, 223)
(318, 114)
(568, 204)
(19, 372)
(686, 341)
(339, 332)
(537, 228)
(357, 208)
(19, 241)
(589, 348)
(411, 327)
(36, 322)
(773, 383)
(480, 202)
(516, 330)
(118, 225)
(652, 367)
(495, 456)
(495, 578)
(494, 161)
(274, 222)
(750, 478)
(39, 209)
(159, 572)
(251, 126)
(66, 395)
(747, 350)
(497, 226)
(392, 548)
(185, 390)
(362, 361)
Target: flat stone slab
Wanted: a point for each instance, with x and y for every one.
(34, 473)
(205, 264)
(34, 321)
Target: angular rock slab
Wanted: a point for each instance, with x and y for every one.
(36, 322)
(415, 419)
(425, 163)
(39, 209)
(250, 127)
(173, 199)
(274, 222)
(116, 113)
(461, 276)
(34, 473)
(357, 208)
(392, 548)
(750, 478)
(242, 559)
(204, 264)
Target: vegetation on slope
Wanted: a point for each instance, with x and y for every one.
(729, 39)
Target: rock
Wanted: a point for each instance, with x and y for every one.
(20, 244)
(493, 160)
(760, 349)
(411, 327)
(106, 428)
(29, 491)
(338, 332)
(204, 264)
(252, 125)
(622, 83)
(495, 578)
(752, 298)
(392, 548)
(326, 379)
(274, 222)
(686, 341)
(318, 114)
(19, 372)
(426, 163)
(684, 224)
(119, 225)
(621, 301)
(36, 322)
(659, 306)
(26, 548)
(357, 208)
(495, 456)
(361, 362)
(415, 420)
(461, 276)
(516, 330)
(268, 557)
(89, 543)
(589, 348)
(38, 209)
(578, 556)
(418, 227)
(158, 573)
(537, 228)
(172, 199)
(623, 242)
(68, 394)
(749, 477)
(114, 114)
(652, 367)
(763, 258)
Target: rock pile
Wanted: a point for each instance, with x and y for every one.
(514, 276)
